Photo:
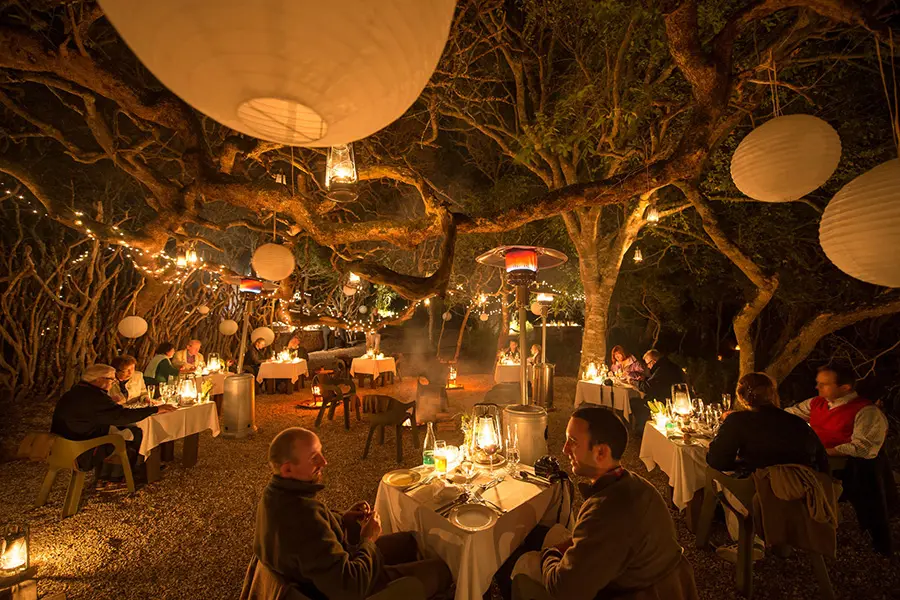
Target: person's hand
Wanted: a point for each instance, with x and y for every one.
(165, 408)
(371, 528)
(356, 513)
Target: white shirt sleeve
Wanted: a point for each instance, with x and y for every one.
(801, 410)
(869, 430)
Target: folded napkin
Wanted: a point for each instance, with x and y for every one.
(437, 491)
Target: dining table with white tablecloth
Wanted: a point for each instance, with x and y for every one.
(506, 373)
(367, 365)
(472, 556)
(684, 463)
(167, 427)
(292, 369)
(615, 396)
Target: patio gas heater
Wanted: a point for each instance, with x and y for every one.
(522, 264)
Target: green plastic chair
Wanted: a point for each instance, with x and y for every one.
(63, 455)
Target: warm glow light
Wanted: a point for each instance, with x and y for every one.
(681, 399)
(737, 347)
(190, 257)
(188, 389)
(15, 555)
(452, 375)
(638, 255)
(427, 301)
(340, 174)
(482, 298)
(545, 297)
(521, 260)
(316, 391)
(486, 433)
(353, 278)
(591, 373)
(181, 261)
(652, 215)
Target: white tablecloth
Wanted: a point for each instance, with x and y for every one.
(509, 373)
(685, 465)
(218, 381)
(287, 370)
(473, 557)
(614, 396)
(161, 428)
(373, 366)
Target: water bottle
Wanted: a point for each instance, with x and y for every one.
(428, 450)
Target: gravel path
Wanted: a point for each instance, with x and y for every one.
(188, 536)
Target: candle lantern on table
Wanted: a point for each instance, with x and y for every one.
(215, 363)
(15, 554)
(681, 400)
(451, 379)
(188, 390)
(486, 433)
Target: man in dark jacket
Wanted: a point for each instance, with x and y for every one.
(324, 554)
(662, 374)
(87, 411)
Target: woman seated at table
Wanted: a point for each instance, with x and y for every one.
(511, 354)
(160, 367)
(625, 366)
(255, 356)
(129, 384)
(763, 436)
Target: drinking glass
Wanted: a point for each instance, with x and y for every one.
(512, 449)
(469, 470)
(726, 401)
(440, 457)
(151, 391)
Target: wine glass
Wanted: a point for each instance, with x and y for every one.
(726, 401)
(512, 449)
(468, 470)
(151, 392)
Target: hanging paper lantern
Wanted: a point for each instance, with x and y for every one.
(264, 333)
(786, 158)
(300, 73)
(363, 309)
(484, 317)
(203, 309)
(447, 316)
(537, 309)
(862, 223)
(228, 327)
(349, 290)
(273, 262)
(132, 327)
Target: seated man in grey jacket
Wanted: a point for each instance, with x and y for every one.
(325, 554)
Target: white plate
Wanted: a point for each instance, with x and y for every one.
(402, 478)
(473, 517)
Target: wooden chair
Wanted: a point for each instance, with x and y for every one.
(335, 392)
(744, 489)
(391, 412)
(63, 455)
(262, 582)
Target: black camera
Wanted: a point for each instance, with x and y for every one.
(548, 468)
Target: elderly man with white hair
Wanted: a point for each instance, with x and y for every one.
(87, 411)
(189, 358)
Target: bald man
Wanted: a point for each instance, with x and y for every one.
(329, 555)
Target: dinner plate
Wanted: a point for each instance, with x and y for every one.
(402, 478)
(473, 517)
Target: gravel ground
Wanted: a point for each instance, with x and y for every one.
(189, 535)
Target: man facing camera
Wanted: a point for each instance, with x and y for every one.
(322, 553)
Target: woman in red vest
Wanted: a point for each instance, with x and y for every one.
(847, 424)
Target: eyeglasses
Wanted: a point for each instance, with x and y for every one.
(108, 378)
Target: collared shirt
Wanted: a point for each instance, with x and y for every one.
(869, 426)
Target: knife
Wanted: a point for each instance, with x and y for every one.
(463, 496)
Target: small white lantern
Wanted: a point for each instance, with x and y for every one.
(301, 73)
(203, 309)
(862, 223)
(264, 333)
(786, 158)
(484, 317)
(638, 255)
(447, 316)
(363, 309)
(273, 262)
(228, 327)
(132, 327)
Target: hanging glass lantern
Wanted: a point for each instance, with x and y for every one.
(638, 255)
(15, 552)
(340, 174)
(652, 215)
(181, 260)
(190, 257)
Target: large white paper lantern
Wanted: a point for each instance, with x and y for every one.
(537, 309)
(264, 333)
(273, 262)
(132, 327)
(303, 72)
(860, 228)
(228, 327)
(447, 316)
(786, 158)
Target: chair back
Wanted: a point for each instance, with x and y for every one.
(262, 583)
(743, 488)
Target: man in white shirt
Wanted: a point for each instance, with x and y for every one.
(189, 358)
(847, 424)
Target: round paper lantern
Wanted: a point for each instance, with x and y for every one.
(447, 316)
(203, 309)
(228, 327)
(484, 317)
(301, 73)
(132, 327)
(349, 290)
(273, 262)
(786, 158)
(862, 223)
(264, 333)
(363, 309)
(537, 309)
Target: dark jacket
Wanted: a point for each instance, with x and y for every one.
(768, 436)
(624, 541)
(660, 379)
(255, 357)
(300, 539)
(86, 412)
